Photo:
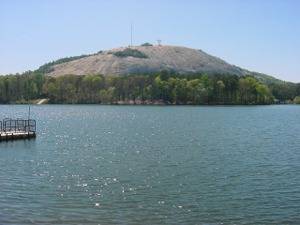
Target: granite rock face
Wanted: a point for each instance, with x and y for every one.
(171, 58)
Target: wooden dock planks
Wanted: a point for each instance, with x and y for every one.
(6, 136)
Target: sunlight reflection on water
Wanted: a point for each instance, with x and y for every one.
(153, 165)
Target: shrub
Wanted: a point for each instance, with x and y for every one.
(130, 52)
(147, 44)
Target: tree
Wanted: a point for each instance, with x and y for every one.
(31, 90)
(247, 90)
(86, 89)
(284, 91)
(207, 88)
(107, 96)
(297, 100)
(194, 91)
(39, 80)
(2, 90)
(220, 91)
(52, 93)
(11, 88)
(264, 95)
(146, 44)
(231, 86)
(165, 86)
(298, 89)
(180, 90)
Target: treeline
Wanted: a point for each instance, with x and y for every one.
(156, 88)
(21, 88)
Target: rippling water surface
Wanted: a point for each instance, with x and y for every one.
(95, 164)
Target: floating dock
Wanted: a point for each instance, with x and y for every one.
(16, 135)
(11, 129)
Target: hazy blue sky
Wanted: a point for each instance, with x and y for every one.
(258, 35)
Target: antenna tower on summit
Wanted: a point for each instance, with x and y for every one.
(159, 42)
(131, 36)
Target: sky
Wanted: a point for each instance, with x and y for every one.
(257, 35)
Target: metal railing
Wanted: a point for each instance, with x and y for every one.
(18, 125)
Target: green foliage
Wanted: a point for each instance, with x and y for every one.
(161, 87)
(147, 44)
(297, 100)
(130, 52)
(20, 88)
(284, 91)
(48, 67)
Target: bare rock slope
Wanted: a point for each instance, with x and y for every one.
(157, 58)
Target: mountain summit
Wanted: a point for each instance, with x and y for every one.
(146, 59)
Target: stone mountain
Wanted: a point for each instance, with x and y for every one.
(146, 59)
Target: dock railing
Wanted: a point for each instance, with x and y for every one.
(18, 126)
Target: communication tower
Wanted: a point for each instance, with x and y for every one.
(131, 35)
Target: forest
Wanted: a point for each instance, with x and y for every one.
(156, 88)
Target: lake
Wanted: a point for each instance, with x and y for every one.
(93, 164)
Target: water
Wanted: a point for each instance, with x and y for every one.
(95, 164)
